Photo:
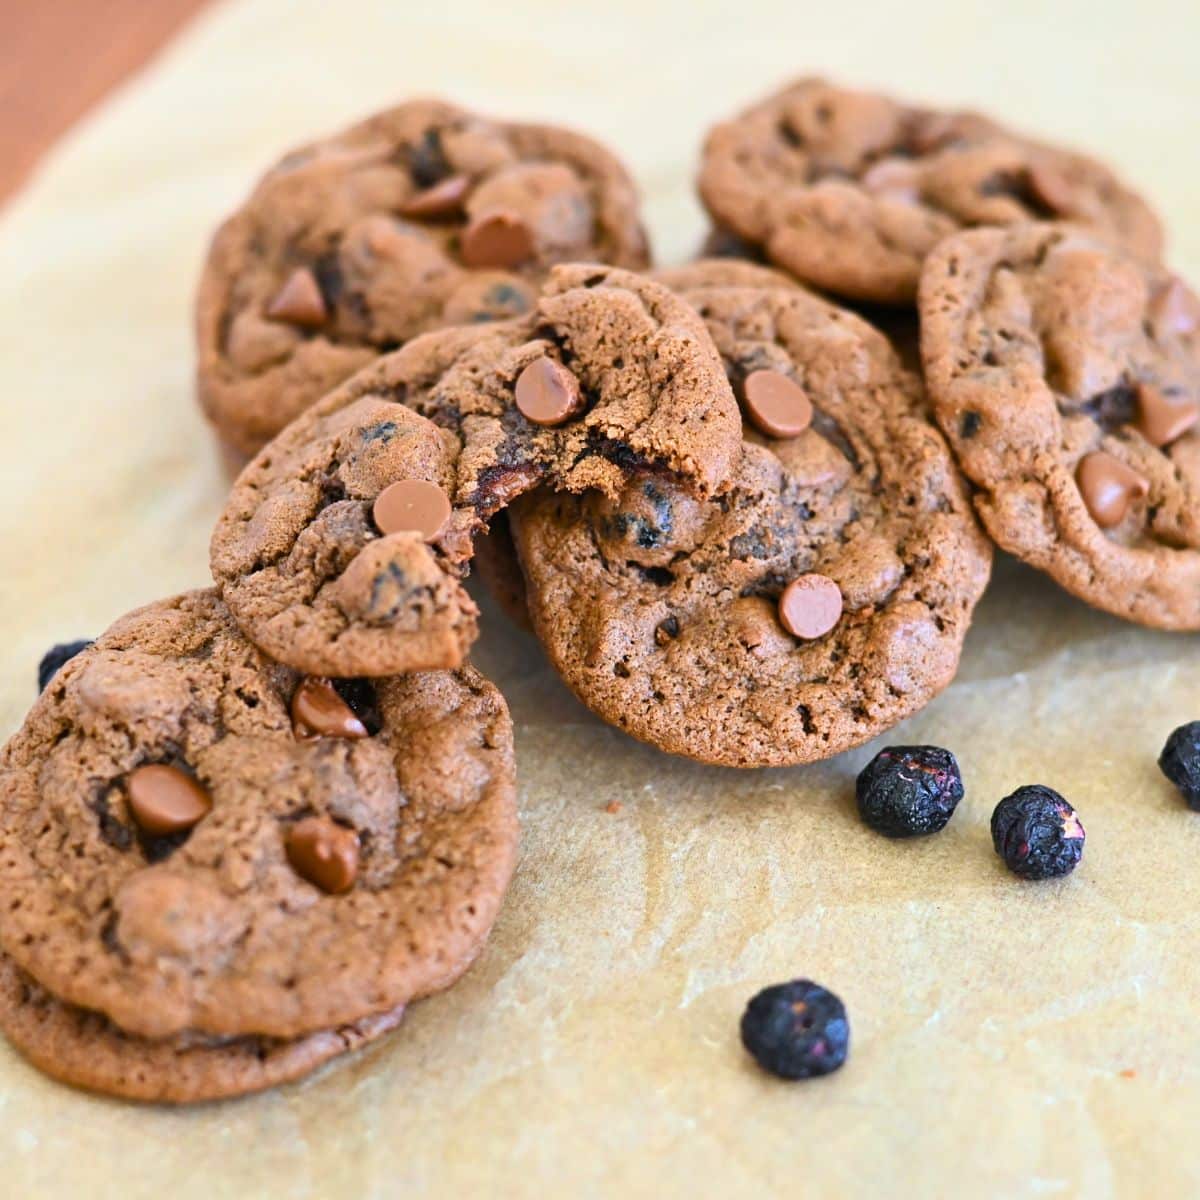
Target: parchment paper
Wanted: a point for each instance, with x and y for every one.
(1008, 1039)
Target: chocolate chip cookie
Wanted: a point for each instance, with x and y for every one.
(198, 841)
(816, 602)
(851, 190)
(419, 217)
(1066, 374)
(87, 1050)
(610, 373)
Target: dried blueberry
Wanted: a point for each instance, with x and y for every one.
(56, 657)
(1037, 833)
(796, 1030)
(906, 791)
(1180, 762)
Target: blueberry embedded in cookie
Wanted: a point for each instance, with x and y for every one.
(342, 545)
(851, 190)
(420, 217)
(319, 877)
(817, 601)
(1066, 375)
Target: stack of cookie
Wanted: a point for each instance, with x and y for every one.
(216, 874)
(248, 825)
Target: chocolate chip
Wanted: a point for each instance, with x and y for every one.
(1163, 418)
(441, 200)
(324, 853)
(496, 239)
(1108, 487)
(412, 504)
(299, 301)
(777, 405)
(547, 393)
(165, 800)
(318, 711)
(811, 605)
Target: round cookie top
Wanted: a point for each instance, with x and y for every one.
(1066, 374)
(419, 217)
(196, 839)
(299, 554)
(88, 1051)
(819, 600)
(851, 190)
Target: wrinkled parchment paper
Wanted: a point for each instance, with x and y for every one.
(1008, 1039)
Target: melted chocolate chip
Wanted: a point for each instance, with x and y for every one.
(324, 853)
(165, 800)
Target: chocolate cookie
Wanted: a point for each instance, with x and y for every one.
(819, 600)
(420, 217)
(88, 1051)
(1066, 374)
(610, 373)
(196, 840)
(851, 190)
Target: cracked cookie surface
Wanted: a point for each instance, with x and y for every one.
(296, 553)
(666, 614)
(495, 560)
(851, 190)
(1066, 374)
(214, 930)
(422, 216)
(88, 1051)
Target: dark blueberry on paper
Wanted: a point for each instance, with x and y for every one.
(1180, 762)
(906, 791)
(55, 657)
(796, 1030)
(1037, 833)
